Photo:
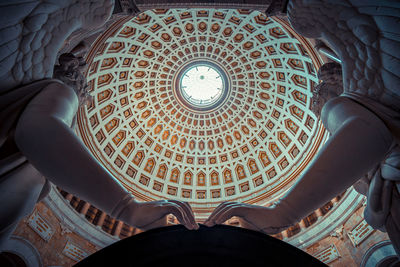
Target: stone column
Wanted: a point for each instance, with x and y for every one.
(93, 214)
(285, 234)
(117, 228)
(84, 208)
(69, 197)
(111, 227)
(335, 200)
(130, 232)
(302, 225)
(101, 219)
(319, 213)
(75, 203)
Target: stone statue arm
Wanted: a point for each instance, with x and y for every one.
(44, 136)
(359, 141)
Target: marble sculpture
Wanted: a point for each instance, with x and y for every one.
(362, 113)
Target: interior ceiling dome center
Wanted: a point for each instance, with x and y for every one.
(201, 85)
(247, 140)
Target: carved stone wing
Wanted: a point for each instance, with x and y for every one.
(365, 34)
(32, 32)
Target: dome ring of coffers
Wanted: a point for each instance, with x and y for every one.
(249, 148)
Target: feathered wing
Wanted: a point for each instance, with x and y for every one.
(366, 36)
(32, 32)
(386, 46)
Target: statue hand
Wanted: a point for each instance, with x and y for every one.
(269, 220)
(149, 215)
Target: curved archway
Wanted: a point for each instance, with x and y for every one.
(11, 259)
(381, 254)
(21, 252)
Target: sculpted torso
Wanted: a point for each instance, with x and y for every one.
(363, 122)
(365, 38)
(32, 33)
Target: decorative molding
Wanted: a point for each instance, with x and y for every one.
(76, 223)
(74, 252)
(157, 147)
(377, 253)
(24, 249)
(64, 229)
(338, 233)
(40, 226)
(336, 217)
(149, 5)
(360, 232)
(328, 254)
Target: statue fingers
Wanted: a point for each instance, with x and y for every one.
(180, 214)
(229, 212)
(188, 212)
(185, 206)
(211, 221)
(222, 206)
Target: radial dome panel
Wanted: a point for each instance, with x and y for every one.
(248, 146)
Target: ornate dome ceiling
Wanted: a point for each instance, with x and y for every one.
(247, 142)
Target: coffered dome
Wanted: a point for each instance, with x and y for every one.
(202, 105)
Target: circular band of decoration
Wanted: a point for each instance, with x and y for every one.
(201, 85)
(250, 147)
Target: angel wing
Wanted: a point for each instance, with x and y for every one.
(32, 32)
(365, 34)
